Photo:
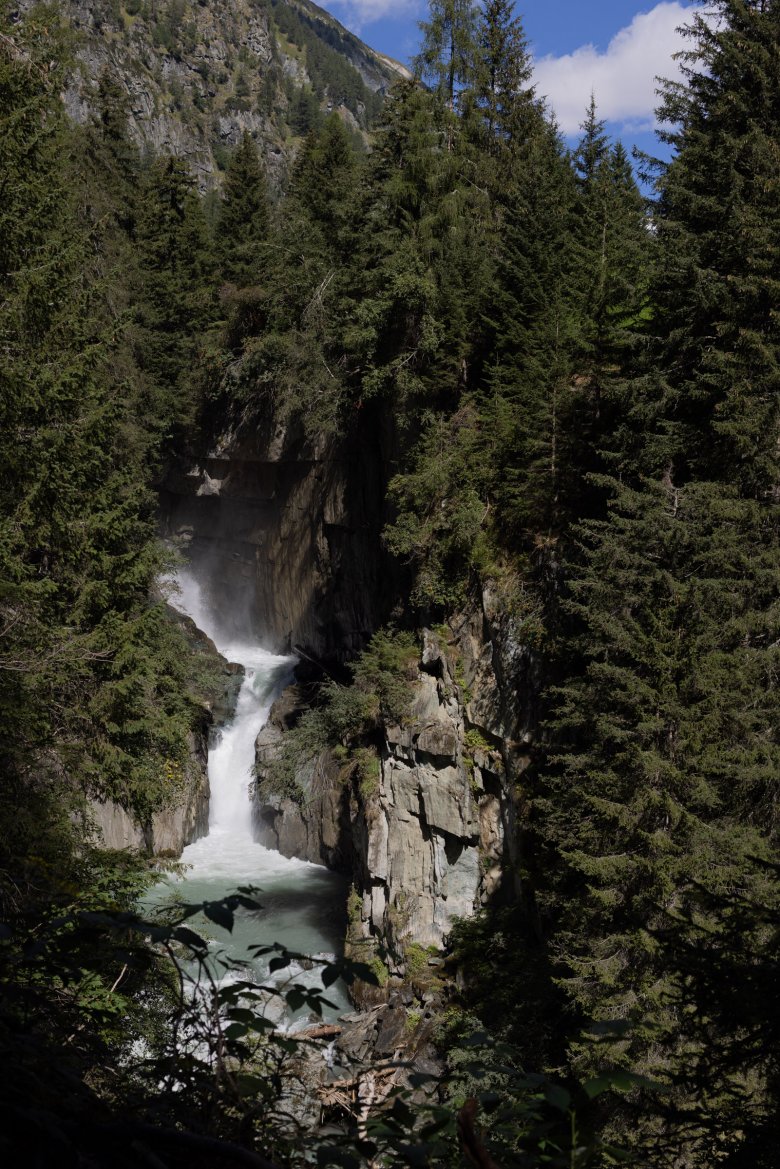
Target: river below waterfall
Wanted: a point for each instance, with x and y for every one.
(302, 903)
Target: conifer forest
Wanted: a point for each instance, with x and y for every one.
(476, 435)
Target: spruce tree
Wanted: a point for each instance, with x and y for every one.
(291, 329)
(503, 70)
(89, 678)
(323, 178)
(110, 147)
(526, 403)
(420, 268)
(667, 736)
(611, 247)
(409, 216)
(719, 278)
(177, 302)
(243, 219)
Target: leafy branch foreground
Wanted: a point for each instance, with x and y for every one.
(187, 1060)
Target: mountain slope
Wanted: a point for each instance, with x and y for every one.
(198, 73)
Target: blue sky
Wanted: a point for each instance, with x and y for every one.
(614, 47)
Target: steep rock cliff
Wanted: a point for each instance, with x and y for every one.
(436, 835)
(286, 535)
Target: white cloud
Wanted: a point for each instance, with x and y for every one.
(356, 14)
(623, 78)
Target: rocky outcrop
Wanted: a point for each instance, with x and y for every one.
(184, 814)
(285, 535)
(184, 818)
(499, 674)
(424, 843)
(430, 833)
(499, 668)
(314, 827)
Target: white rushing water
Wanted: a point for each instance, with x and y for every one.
(302, 903)
(228, 850)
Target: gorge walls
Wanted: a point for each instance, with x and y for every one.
(285, 534)
(430, 834)
(291, 529)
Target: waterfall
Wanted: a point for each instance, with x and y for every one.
(301, 901)
(229, 849)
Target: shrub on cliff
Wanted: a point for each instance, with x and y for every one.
(348, 716)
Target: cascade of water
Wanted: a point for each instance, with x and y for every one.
(231, 758)
(300, 900)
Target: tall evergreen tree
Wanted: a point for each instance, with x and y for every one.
(112, 150)
(243, 219)
(294, 350)
(717, 222)
(592, 149)
(86, 676)
(668, 736)
(177, 302)
(411, 223)
(421, 267)
(323, 179)
(449, 41)
(526, 404)
(611, 247)
(503, 70)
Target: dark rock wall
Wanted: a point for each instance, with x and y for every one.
(286, 535)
